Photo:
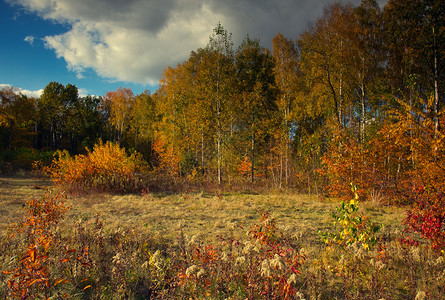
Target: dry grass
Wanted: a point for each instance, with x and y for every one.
(182, 225)
(162, 215)
(14, 191)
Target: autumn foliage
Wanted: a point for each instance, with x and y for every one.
(31, 276)
(261, 265)
(403, 163)
(106, 168)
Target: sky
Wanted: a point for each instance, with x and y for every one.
(101, 45)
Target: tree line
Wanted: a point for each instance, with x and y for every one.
(348, 101)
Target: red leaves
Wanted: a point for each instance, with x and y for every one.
(264, 265)
(32, 274)
(427, 217)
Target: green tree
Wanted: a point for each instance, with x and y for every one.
(53, 108)
(17, 119)
(142, 119)
(86, 123)
(415, 32)
(258, 94)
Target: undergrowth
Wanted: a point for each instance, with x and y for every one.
(105, 168)
(353, 260)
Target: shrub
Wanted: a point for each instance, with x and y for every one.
(264, 264)
(403, 154)
(23, 158)
(427, 218)
(106, 168)
(351, 227)
(32, 275)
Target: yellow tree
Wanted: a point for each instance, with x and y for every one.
(365, 34)
(323, 60)
(286, 76)
(258, 93)
(141, 125)
(213, 81)
(177, 114)
(120, 102)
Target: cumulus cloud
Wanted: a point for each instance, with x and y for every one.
(18, 90)
(35, 94)
(135, 40)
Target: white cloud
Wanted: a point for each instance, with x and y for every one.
(83, 93)
(135, 40)
(131, 53)
(29, 39)
(35, 94)
(18, 90)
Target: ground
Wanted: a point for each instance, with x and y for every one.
(163, 214)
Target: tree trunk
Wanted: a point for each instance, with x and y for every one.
(436, 88)
(252, 167)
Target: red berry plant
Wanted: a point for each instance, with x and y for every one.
(264, 264)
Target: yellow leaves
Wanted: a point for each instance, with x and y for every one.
(120, 102)
(106, 167)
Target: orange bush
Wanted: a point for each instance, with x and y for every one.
(407, 152)
(405, 161)
(106, 168)
(32, 275)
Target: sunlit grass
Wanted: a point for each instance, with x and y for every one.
(186, 222)
(198, 212)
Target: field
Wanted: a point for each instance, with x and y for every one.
(115, 236)
(160, 214)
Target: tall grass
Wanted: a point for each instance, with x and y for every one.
(41, 259)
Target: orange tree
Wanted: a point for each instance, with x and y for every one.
(107, 168)
(405, 161)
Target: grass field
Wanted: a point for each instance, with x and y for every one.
(118, 257)
(197, 212)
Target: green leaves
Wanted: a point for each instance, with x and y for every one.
(350, 227)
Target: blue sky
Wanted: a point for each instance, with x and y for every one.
(101, 45)
(30, 66)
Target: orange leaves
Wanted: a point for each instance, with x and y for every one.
(31, 276)
(106, 167)
(244, 167)
(264, 265)
(168, 161)
(60, 281)
(44, 264)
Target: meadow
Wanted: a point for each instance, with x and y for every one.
(202, 245)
